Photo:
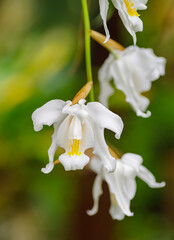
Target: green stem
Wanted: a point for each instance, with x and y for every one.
(87, 46)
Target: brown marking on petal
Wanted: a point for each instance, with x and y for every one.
(83, 93)
(109, 45)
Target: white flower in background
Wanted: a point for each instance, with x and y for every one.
(132, 72)
(76, 128)
(121, 183)
(127, 10)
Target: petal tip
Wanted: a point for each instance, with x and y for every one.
(91, 212)
(49, 167)
(144, 115)
(107, 38)
(37, 128)
(163, 184)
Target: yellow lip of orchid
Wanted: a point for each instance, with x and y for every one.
(130, 8)
(75, 148)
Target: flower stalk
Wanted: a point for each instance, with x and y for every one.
(87, 46)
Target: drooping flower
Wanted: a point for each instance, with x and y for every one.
(76, 128)
(127, 10)
(132, 72)
(121, 183)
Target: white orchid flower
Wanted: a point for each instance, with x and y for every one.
(121, 183)
(127, 10)
(132, 72)
(76, 128)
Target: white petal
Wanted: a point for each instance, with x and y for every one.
(133, 160)
(116, 183)
(48, 114)
(104, 5)
(124, 81)
(140, 4)
(96, 192)
(49, 167)
(148, 177)
(131, 23)
(88, 136)
(145, 66)
(131, 187)
(116, 212)
(75, 129)
(105, 118)
(73, 162)
(79, 109)
(144, 115)
(131, 164)
(62, 133)
(105, 77)
(101, 149)
(54, 145)
(95, 165)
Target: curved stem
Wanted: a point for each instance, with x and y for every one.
(87, 46)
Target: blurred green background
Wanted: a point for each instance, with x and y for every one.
(42, 58)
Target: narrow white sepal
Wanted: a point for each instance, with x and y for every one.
(104, 5)
(49, 167)
(144, 115)
(149, 178)
(96, 192)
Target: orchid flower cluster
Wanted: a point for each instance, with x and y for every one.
(79, 126)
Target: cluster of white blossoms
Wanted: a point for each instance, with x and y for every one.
(79, 126)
